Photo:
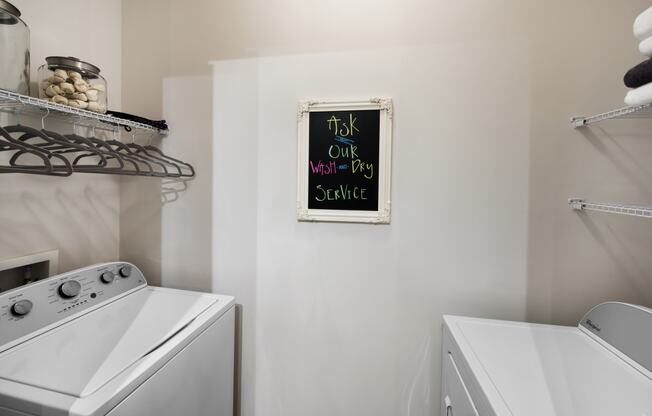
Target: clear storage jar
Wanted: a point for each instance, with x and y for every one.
(72, 82)
(14, 50)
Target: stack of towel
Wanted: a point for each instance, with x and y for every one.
(640, 77)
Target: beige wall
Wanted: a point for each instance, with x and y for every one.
(579, 51)
(579, 260)
(346, 317)
(574, 57)
(167, 233)
(169, 38)
(78, 215)
(440, 255)
(166, 40)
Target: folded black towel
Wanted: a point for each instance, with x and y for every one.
(640, 75)
(158, 124)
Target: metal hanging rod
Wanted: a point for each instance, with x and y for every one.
(639, 111)
(11, 102)
(623, 209)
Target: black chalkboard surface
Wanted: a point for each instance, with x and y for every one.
(343, 156)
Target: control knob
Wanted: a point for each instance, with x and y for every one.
(107, 276)
(125, 271)
(22, 307)
(70, 289)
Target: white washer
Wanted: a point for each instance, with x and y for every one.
(100, 341)
(499, 368)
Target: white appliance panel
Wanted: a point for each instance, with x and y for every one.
(82, 355)
(8, 412)
(544, 370)
(456, 399)
(197, 381)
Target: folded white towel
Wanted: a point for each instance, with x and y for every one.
(643, 25)
(639, 96)
(645, 47)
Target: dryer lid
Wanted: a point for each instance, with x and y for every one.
(80, 356)
(543, 370)
(625, 328)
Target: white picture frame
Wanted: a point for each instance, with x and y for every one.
(380, 216)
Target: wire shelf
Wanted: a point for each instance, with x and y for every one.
(622, 209)
(639, 111)
(19, 104)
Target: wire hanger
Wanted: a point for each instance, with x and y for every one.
(52, 144)
(113, 155)
(9, 143)
(124, 149)
(102, 166)
(65, 169)
(188, 166)
(142, 150)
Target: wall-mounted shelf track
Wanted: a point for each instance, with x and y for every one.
(19, 104)
(622, 209)
(639, 111)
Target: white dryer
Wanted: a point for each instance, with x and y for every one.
(498, 368)
(100, 341)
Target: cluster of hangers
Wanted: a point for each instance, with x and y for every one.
(56, 154)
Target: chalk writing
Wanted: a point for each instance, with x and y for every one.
(336, 151)
(342, 192)
(344, 140)
(323, 168)
(343, 128)
(367, 169)
(343, 157)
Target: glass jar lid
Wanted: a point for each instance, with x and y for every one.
(72, 63)
(9, 14)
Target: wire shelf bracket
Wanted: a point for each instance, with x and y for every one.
(579, 204)
(11, 102)
(638, 111)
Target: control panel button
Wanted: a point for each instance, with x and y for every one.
(70, 289)
(22, 307)
(51, 301)
(107, 277)
(125, 271)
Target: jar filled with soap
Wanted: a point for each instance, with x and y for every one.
(73, 82)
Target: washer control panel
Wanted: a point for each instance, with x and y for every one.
(31, 308)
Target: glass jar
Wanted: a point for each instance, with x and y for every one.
(14, 50)
(70, 81)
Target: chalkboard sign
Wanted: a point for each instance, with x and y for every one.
(344, 161)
